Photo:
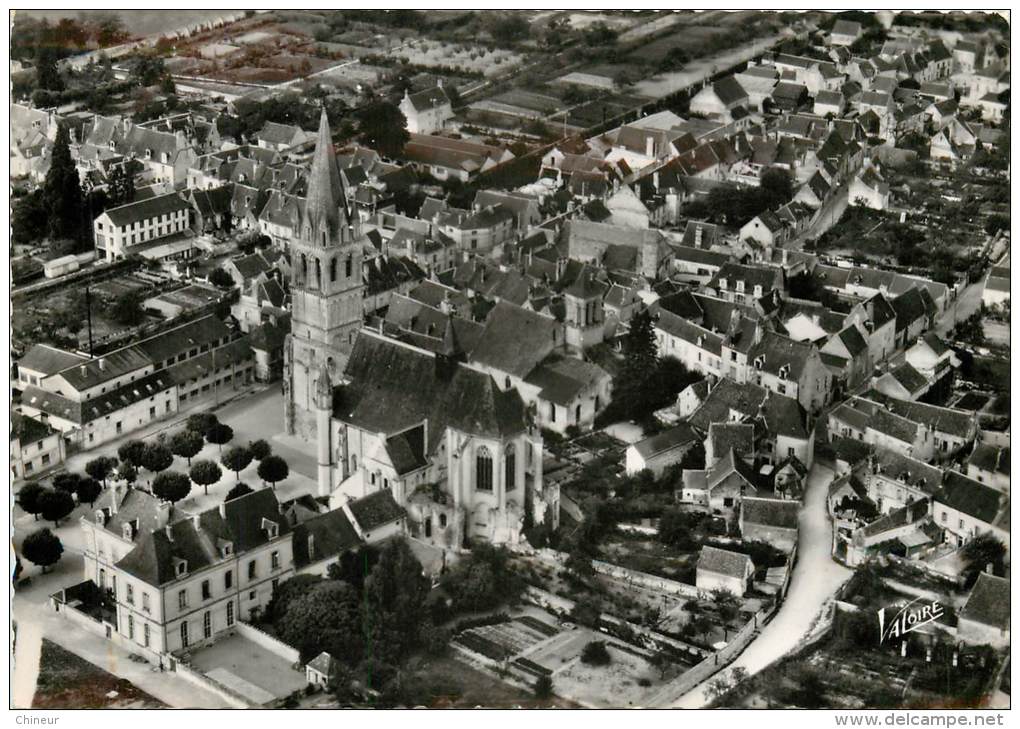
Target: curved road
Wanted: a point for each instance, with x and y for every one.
(816, 577)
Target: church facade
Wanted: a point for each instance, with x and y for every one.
(461, 456)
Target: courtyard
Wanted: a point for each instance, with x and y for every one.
(247, 668)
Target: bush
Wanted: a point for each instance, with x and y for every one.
(596, 654)
(543, 687)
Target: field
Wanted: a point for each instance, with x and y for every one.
(67, 681)
(33, 318)
(468, 58)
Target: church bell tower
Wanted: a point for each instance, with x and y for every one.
(326, 289)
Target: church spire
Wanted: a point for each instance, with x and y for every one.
(325, 190)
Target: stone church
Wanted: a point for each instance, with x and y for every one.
(463, 457)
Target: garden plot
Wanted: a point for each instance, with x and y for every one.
(616, 685)
(471, 59)
(504, 640)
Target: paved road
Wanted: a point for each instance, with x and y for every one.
(829, 214)
(816, 577)
(968, 302)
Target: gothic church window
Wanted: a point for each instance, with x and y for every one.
(347, 267)
(332, 271)
(510, 468)
(483, 469)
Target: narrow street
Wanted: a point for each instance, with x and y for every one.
(816, 577)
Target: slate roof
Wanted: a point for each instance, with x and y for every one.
(242, 522)
(853, 341)
(729, 90)
(989, 602)
(736, 436)
(375, 510)
(515, 339)
(49, 360)
(445, 393)
(562, 379)
(846, 27)
(909, 307)
(990, 458)
(725, 562)
(970, 497)
(101, 405)
(783, 415)
(898, 467)
(912, 380)
(667, 440)
(153, 207)
(28, 430)
(780, 513)
(777, 351)
(959, 423)
(332, 535)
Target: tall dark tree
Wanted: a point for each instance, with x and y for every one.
(237, 459)
(127, 309)
(273, 469)
(88, 490)
(186, 444)
(47, 76)
(55, 505)
(121, 185)
(237, 491)
(636, 384)
(171, 486)
(132, 451)
(43, 548)
(201, 422)
(100, 468)
(205, 474)
(66, 482)
(260, 449)
(28, 498)
(394, 599)
(157, 457)
(62, 193)
(382, 127)
(326, 617)
(219, 434)
(128, 472)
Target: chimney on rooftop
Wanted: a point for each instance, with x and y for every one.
(114, 498)
(223, 510)
(649, 147)
(169, 532)
(102, 364)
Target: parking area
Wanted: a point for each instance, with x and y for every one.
(249, 669)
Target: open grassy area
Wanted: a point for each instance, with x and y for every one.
(68, 681)
(446, 683)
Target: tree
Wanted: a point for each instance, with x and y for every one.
(28, 498)
(186, 444)
(66, 482)
(121, 185)
(595, 653)
(148, 71)
(127, 309)
(47, 75)
(128, 472)
(326, 617)
(236, 459)
(777, 187)
(288, 591)
(394, 600)
(205, 474)
(42, 548)
(88, 490)
(238, 490)
(132, 452)
(982, 551)
(100, 468)
(382, 127)
(543, 688)
(62, 193)
(259, 449)
(635, 386)
(273, 469)
(171, 486)
(55, 505)
(201, 422)
(506, 28)
(157, 457)
(219, 277)
(219, 434)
